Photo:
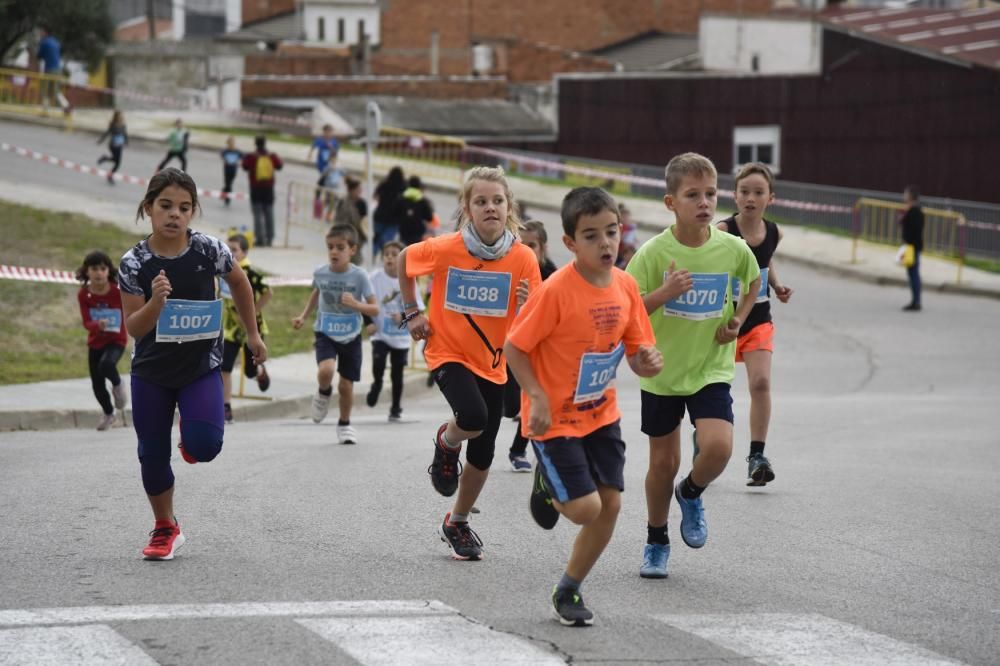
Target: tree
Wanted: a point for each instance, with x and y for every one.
(83, 27)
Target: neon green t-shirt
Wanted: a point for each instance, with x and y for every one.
(685, 327)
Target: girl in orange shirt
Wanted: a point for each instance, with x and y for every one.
(482, 274)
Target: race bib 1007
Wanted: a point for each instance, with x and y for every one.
(186, 321)
(704, 300)
(477, 292)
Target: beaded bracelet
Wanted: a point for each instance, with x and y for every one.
(407, 317)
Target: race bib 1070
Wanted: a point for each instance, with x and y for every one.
(186, 321)
(704, 300)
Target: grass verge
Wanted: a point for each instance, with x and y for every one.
(40, 323)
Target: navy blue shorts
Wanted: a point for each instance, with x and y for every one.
(348, 355)
(661, 414)
(574, 466)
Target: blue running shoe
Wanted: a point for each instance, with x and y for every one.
(654, 560)
(694, 531)
(759, 471)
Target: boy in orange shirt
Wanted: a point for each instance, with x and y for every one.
(482, 273)
(564, 348)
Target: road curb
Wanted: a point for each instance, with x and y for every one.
(414, 383)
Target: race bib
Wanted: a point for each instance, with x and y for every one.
(112, 318)
(390, 328)
(597, 370)
(117, 140)
(704, 300)
(186, 321)
(224, 290)
(762, 296)
(477, 292)
(340, 327)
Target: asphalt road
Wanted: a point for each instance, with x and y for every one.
(876, 544)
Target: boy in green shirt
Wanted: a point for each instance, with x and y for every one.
(684, 277)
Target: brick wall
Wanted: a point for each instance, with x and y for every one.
(435, 89)
(534, 62)
(574, 25)
(299, 64)
(255, 10)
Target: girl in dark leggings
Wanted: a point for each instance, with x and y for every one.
(101, 310)
(482, 273)
(170, 307)
(117, 136)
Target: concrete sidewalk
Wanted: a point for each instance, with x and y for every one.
(70, 403)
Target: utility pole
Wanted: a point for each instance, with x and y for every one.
(151, 19)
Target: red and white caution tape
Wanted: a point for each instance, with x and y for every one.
(104, 173)
(29, 274)
(37, 274)
(551, 165)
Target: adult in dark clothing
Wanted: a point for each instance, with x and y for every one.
(913, 234)
(414, 212)
(260, 166)
(386, 194)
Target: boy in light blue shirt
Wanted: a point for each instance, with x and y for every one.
(343, 293)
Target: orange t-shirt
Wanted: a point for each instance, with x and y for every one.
(575, 334)
(473, 302)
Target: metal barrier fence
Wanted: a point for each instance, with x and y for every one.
(877, 221)
(820, 206)
(34, 93)
(309, 206)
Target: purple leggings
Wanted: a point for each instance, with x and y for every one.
(200, 405)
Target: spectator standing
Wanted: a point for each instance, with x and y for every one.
(260, 167)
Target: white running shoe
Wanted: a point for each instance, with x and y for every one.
(107, 420)
(346, 434)
(321, 405)
(118, 393)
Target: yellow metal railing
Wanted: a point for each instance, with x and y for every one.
(309, 206)
(877, 221)
(33, 93)
(420, 153)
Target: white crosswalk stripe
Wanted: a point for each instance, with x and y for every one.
(379, 641)
(94, 645)
(376, 633)
(780, 639)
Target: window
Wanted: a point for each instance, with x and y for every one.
(340, 31)
(757, 143)
(361, 30)
(321, 29)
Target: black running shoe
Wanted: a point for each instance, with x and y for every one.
(542, 509)
(372, 398)
(463, 541)
(759, 472)
(569, 608)
(446, 467)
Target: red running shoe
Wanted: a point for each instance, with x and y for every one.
(164, 540)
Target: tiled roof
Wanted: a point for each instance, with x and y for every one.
(966, 35)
